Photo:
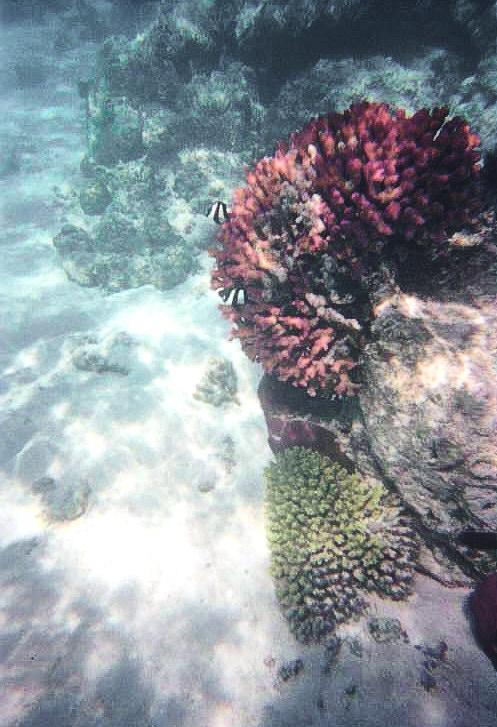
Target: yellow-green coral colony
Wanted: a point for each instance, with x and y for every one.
(332, 538)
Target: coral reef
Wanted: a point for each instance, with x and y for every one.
(306, 232)
(424, 419)
(155, 106)
(223, 78)
(428, 80)
(333, 538)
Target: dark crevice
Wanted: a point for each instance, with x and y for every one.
(392, 31)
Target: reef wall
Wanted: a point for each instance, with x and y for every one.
(174, 113)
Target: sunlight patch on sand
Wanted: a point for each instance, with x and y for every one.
(90, 442)
(20, 516)
(117, 547)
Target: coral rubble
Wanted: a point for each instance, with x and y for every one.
(219, 383)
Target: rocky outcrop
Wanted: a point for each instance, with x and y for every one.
(230, 79)
(425, 420)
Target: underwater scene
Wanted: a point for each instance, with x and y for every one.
(248, 363)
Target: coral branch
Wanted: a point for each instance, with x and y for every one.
(312, 221)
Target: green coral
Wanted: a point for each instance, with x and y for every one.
(333, 537)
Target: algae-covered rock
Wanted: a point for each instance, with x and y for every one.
(219, 384)
(333, 537)
(136, 240)
(290, 670)
(480, 18)
(261, 25)
(114, 129)
(333, 84)
(159, 137)
(203, 175)
(121, 256)
(111, 354)
(429, 404)
(73, 239)
(78, 255)
(62, 501)
(221, 109)
(94, 197)
(118, 233)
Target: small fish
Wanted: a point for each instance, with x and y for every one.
(233, 296)
(218, 212)
(478, 539)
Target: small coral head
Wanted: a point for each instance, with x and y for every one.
(313, 220)
(333, 539)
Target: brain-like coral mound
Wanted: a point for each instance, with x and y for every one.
(333, 538)
(313, 221)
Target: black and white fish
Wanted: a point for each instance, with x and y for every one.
(218, 212)
(479, 540)
(233, 296)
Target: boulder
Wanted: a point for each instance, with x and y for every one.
(425, 419)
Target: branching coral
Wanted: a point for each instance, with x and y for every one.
(332, 539)
(311, 222)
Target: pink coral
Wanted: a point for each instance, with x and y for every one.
(311, 221)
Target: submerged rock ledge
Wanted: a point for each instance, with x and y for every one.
(425, 420)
